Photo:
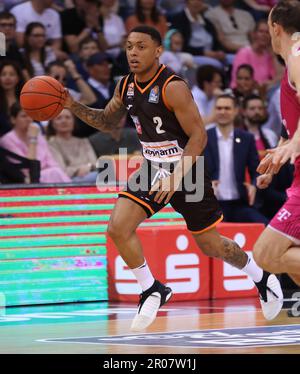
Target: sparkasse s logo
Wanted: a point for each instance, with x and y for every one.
(182, 271)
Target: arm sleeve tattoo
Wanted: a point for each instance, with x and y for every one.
(101, 119)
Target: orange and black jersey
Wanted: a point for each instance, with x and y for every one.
(159, 131)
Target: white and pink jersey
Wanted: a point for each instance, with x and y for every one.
(290, 111)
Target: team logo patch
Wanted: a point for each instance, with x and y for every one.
(154, 95)
(260, 336)
(130, 90)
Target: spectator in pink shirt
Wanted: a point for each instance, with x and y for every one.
(259, 56)
(25, 140)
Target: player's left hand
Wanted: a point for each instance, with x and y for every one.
(165, 187)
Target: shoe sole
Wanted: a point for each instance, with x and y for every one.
(272, 308)
(141, 322)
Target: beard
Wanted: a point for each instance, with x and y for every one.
(258, 120)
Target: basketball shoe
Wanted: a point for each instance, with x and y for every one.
(270, 295)
(150, 302)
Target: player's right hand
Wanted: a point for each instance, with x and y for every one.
(263, 181)
(69, 99)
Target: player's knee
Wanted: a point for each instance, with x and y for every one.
(117, 231)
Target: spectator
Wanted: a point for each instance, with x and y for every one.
(173, 55)
(147, 13)
(99, 69)
(11, 82)
(87, 48)
(245, 83)
(208, 88)
(113, 28)
(60, 71)
(100, 82)
(81, 22)
(38, 11)
(234, 25)
(259, 56)
(36, 54)
(8, 28)
(199, 34)
(25, 141)
(274, 196)
(74, 155)
(254, 117)
(229, 153)
(120, 137)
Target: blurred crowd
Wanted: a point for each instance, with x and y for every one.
(222, 48)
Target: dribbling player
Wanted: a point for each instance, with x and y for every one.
(278, 248)
(171, 131)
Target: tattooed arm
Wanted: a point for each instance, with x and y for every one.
(101, 119)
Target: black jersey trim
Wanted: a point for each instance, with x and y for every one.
(143, 90)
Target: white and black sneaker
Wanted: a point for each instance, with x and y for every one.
(270, 294)
(150, 301)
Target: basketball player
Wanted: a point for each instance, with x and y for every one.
(278, 248)
(171, 131)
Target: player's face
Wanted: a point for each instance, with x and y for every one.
(225, 112)
(142, 52)
(8, 78)
(64, 123)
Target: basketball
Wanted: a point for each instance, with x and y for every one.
(42, 98)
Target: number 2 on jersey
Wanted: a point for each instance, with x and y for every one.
(158, 122)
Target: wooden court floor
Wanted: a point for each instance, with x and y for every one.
(219, 326)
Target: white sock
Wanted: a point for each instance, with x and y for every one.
(253, 270)
(144, 276)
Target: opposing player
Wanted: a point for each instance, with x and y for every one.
(171, 132)
(278, 248)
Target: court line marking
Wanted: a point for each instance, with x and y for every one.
(171, 332)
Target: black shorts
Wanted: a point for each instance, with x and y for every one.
(199, 214)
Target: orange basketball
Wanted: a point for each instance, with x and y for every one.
(42, 98)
